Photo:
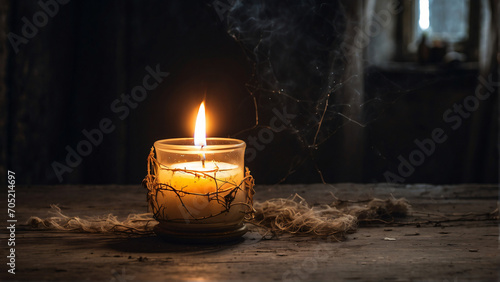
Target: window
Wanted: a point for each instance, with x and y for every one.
(454, 24)
(446, 20)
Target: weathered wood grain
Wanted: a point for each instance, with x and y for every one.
(465, 249)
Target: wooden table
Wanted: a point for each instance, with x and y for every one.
(466, 248)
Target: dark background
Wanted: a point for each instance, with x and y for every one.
(64, 79)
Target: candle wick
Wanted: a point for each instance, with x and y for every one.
(202, 157)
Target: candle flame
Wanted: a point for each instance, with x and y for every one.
(200, 134)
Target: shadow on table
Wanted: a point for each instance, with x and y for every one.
(154, 244)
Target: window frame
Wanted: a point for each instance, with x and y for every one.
(407, 30)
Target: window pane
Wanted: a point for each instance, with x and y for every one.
(448, 19)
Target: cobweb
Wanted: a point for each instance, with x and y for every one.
(307, 84)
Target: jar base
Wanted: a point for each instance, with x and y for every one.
(200, 236)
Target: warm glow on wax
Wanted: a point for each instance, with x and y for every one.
(200, 135)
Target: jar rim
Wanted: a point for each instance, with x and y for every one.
(187, 144)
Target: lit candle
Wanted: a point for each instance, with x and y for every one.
(201, 183)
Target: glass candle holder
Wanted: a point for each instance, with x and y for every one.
(200, 193)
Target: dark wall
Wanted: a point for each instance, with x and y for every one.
(429, 99)
(72, 73)
(67, 77)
